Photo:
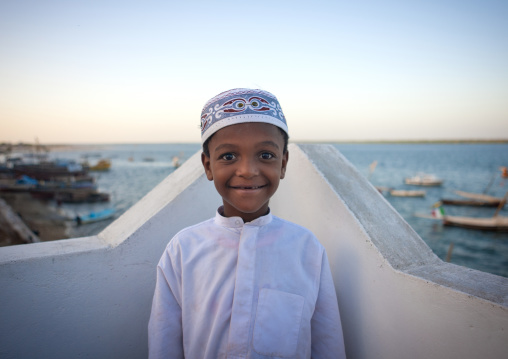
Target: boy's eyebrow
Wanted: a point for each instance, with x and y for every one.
(270, 143)
(224, 145)
(229, 145)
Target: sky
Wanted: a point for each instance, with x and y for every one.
(105, 71)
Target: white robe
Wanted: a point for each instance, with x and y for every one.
(262, 289)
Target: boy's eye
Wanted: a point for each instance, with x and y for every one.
(266, 155)
(228, 156)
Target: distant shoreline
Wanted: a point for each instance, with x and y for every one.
(6, 147)
(470, 141)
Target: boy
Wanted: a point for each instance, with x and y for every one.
(245, 284)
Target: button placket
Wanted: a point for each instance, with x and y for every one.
(238, 343)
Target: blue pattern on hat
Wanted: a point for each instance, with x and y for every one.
(239, 106)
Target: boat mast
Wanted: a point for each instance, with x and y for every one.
(501, 204)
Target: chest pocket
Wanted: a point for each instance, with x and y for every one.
(277, 326)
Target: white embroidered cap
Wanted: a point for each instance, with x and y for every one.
(238, 106)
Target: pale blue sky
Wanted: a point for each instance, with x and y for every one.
(140, 71)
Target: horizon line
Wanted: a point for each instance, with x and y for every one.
(364, 141)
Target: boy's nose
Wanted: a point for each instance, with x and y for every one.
(247, 168)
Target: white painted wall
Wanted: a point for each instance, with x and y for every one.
(91, 297)
(397, 299)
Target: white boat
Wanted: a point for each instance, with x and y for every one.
(407, 193)
(422, 179)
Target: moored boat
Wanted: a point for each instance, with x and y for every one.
(102, 165)
(79, 195)
(51, 170)
(422, 179)
(470, 202)
(407, 193)
(473, 199)
(496, 223)
(95, 216)
(60, 191)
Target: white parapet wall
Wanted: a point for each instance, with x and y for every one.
(397, 299)
(91, 297)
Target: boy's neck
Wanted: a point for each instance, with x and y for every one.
(245, 218)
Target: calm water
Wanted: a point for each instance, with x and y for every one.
(467, 167)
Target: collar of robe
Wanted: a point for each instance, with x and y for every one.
(237, 222)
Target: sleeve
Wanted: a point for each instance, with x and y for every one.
(326, 328)
(165, 339)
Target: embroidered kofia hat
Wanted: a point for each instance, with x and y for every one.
(239, 106)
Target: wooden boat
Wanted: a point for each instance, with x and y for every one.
(81, 195)
(424, 180)
(95, 216)
(62, 192)
(469, 202)
(496, 223)
(49, 170)
(407, 193)
(473, 199)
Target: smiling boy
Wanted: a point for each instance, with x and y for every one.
(244, 284)
(246, 162)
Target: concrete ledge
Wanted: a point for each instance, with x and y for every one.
(397, 242)
(27, 252)
(141, 214)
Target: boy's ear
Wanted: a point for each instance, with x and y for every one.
(205, 160)
(285, 159)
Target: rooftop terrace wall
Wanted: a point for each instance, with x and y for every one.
(91, 297)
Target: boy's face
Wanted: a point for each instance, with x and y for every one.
(246, 164)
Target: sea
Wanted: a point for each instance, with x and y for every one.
(470, 167)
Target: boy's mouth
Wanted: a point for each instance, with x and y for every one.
(248, 187)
